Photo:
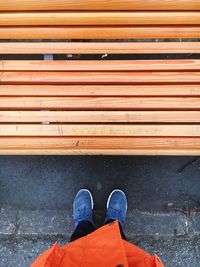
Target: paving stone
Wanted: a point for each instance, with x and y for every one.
(174, 253)
(155, 224)
(60, 223)
(7, 222)
(45, 222)
(21, 252)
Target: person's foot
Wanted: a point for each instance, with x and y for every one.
(116, 206)
(83, 207)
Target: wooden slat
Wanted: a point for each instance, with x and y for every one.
(98, 152)
(99, 130)
(100, 90)
(99, 5)
(99, 116)
(100, 103)
(88, 143)
(99, 48)
(100, 65)
(99, 18)
(98, 32)
(98, 77)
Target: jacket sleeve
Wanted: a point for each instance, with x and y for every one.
(50, 258)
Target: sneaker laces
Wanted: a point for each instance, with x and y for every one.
(115, 214)
(83, 213)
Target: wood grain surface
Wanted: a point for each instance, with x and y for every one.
(100, 65)
(99, 130)
(99, 18)
(99, 116)
(99, 47)
(18, 5)
(189, 90)
(98, 32)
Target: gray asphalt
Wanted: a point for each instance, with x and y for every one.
(51, 182)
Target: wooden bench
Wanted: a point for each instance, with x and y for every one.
(115, 106)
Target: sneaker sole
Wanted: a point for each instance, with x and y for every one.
(116, 190)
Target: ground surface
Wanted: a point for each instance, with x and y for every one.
(36, 195)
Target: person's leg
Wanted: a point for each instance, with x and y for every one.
(83, 214)
(117, 209)
(84, 228)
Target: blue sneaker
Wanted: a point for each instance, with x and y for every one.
(117, 206)
(83, 207)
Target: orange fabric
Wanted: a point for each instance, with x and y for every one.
(102, 248)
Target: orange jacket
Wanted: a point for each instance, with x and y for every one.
(102, 248)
